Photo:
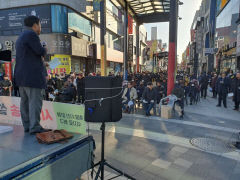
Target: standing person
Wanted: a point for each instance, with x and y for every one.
(80, 88)
(6, 86)
(222, 88)
(204, 85)
(213, 85)
(236, 91)
(149, 98)
(30, 74)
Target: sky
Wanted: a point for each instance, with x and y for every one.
(186, 12)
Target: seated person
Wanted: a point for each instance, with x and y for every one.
(178, 91)
(140, 90)
(129, 97)
(149, 98)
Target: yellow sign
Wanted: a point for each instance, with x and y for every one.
(153, 48)
(65, 64)
(223, 3)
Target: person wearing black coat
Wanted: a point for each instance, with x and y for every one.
(81, 88)
(30, 74)
(222, 87)
(236, 91)
(204, 85)
(149, 98)
(67, 95)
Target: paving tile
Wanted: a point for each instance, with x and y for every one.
(237, 169)
(154, 170)
(180, 149)
(198, 171)
(161, 163)
(143, 175)
(183, 163)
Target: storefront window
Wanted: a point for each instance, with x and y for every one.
(226, 26)
(79, 23)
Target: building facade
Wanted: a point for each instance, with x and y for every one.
(71, 30)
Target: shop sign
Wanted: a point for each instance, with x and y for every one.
(209, 50)
(238, 40)
(130, 25)
(79, 47)
(57, 43)
(64, 66)
(8, 70)
(13, 19)
(130, 48)
(53, 116)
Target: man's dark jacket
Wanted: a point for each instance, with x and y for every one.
(236, 90)
(149, 95)
(30, 70)
(223, 85)
(81, 86)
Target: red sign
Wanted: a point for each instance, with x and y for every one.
(130, 25)
(8, 70)
(192, 35)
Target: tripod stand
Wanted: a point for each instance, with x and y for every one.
(103, 162)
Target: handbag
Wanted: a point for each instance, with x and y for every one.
(56, 136)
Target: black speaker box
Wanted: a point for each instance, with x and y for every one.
(109, 109)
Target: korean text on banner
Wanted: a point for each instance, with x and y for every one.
(64, 66)
(53, 116)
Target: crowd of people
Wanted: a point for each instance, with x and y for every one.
(143, 89)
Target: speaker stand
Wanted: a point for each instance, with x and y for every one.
(103, 162)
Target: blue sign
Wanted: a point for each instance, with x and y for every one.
(59, 19)
(96, 5)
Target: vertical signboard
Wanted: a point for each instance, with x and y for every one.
(130, 25)
(238, 40)
(130, 48)
(8, 70)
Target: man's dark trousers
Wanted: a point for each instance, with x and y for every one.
(30, 107)
(222, 97)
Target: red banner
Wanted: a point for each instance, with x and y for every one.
(8, 70)
(130, 25)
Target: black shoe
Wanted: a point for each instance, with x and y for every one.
(236, 109)
(218, 105)
(181, 117)
(225, 106)
(40, 131)
(26, 130)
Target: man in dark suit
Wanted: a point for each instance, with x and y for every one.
(222, 88)
(30, 74)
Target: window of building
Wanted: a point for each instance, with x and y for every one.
(78, 23)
